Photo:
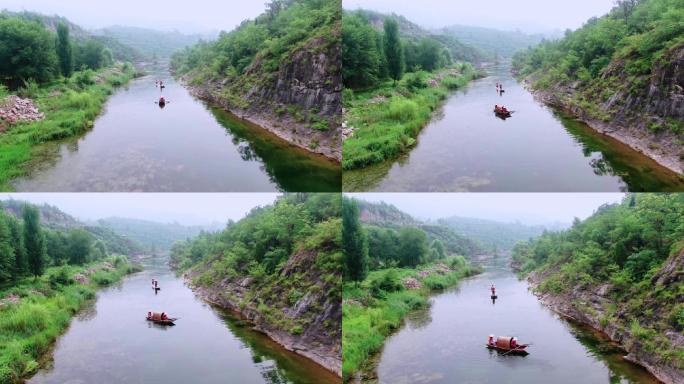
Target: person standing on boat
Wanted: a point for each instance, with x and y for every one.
(493, 288)
(490, 341)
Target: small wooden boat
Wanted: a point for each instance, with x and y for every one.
(157, 318)
(519, 350)
(156, 288)
(495, 297)
(501, 112)
(507, 345)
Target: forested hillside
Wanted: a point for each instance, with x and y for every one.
(390, 268)
(280, 267)
(395, 74)
(151, 235)
(620, 271)
(490, 233)
(622, 73)
(280, 70)
(390, 230)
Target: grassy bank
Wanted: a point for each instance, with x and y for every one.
(34, 312)
(387, 119)
(376, 307)
(70, 108)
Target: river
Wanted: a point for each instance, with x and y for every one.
(446, 343)
(187, 146)
(467, 148)
(111, 342)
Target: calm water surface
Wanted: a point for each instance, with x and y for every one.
(467, 148)
(111, 342)
(186, 146)
(446, 344)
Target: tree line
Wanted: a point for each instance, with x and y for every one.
(31, 52)
(370, 56)
(27, 248)
(368, 248)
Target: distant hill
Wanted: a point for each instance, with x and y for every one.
(150, 42)
(493, 233)
(153, 235)
(53, 218)
(412, 31)
(493, 42)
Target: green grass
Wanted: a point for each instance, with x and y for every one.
(29, 328)
(70, 107)
(388, 118)
(376, 307)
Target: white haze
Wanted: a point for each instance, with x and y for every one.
(183, 208)
(531, 16)
(527, 208)
(201, 16)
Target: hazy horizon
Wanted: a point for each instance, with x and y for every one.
(183, 208)
(198, 16)
(526, 208)
(530, 16)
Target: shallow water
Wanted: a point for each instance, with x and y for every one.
(446, 343)
(467, 148)
(111, 342)
(186, 146)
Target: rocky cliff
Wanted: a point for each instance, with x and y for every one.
(648, 340)
(300, 103)
(302, 310)
(645, 112)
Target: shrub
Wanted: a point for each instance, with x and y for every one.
(60, 276)
(401, 110)
(383, 282)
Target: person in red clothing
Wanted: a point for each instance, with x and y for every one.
(493, 290)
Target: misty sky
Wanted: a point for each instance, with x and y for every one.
(528, 208)
(526, 15)
(188, 209)
(186, 16)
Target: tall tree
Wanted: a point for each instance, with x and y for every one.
(394, 52)
(6, 252)
(27, 51)
(64, 53)
(354, 242)
(34, 240)
(413, 246)
(20, 262)
(79, 247)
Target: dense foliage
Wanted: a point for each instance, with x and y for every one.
(282, 258)
(371, 56)
(493, 43)
(627, 247)
(617, 53)
(354, 242)
(29, 51)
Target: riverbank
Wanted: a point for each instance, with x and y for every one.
(299, 309)
(306, 131)
(69, 107)
(377, 307)
(384, 122)
(632, 324)
(35, 312)
(663, 146)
